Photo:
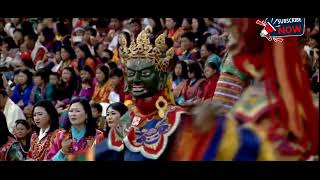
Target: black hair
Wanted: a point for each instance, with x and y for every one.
(28, 74)
(43, 74)
(67, 89)
(205, 36)
(195, 68)
(112, 65)
(105, 59)
(136, 20)
(199, 38)
(201, 25)
(52, 112)
(102, 22)
(189, 35)
(92, 30)
(87, 81)
(89, 70)
(184, 73)
(116, 72)
(73, 83)
(212, 48)
(118, 106)
(28, 63)
(11, 44)
(4, 131)
(97, 106)
(48, 34)
(23, 122)
(178, 22)
(70, 50)
(1, 82)
(211, 19)
(57, 48)
(95, 48)
(85, 49)
(169, 42)
(212, 65)
(63, 28)
(110, 52)
(32, 36)
(105, 71)
(15, 72)
(90, 123)
(27, 28)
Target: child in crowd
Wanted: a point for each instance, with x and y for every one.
(96, 109)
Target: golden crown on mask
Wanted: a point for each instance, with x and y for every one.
(143, 49)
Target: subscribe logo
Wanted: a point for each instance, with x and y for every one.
(277, 28)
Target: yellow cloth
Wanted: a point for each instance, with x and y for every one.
(101, 94)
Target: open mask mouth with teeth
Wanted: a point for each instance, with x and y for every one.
(138, 88)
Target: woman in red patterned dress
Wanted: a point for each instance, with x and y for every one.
(10, 149)
(45, 117)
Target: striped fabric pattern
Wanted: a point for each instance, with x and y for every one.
(228, 90)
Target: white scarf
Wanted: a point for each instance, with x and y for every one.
(43, 133)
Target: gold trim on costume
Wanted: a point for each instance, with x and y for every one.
(161, 109)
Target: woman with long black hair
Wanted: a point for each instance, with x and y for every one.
(45, 116)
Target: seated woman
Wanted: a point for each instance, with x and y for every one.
(212, 75)
(193, 88)
(179, 78)
(10, 147)
(86, 90)
(212, 52)
(68, 87)
(68, 57)
(45, 117)
(117, 80)
(87, 73)
(103, 151)
(23, 135)
(80, 133)
(85, 57)
(41, 91)
(190, 53)
(103, 87)
(22, 91)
